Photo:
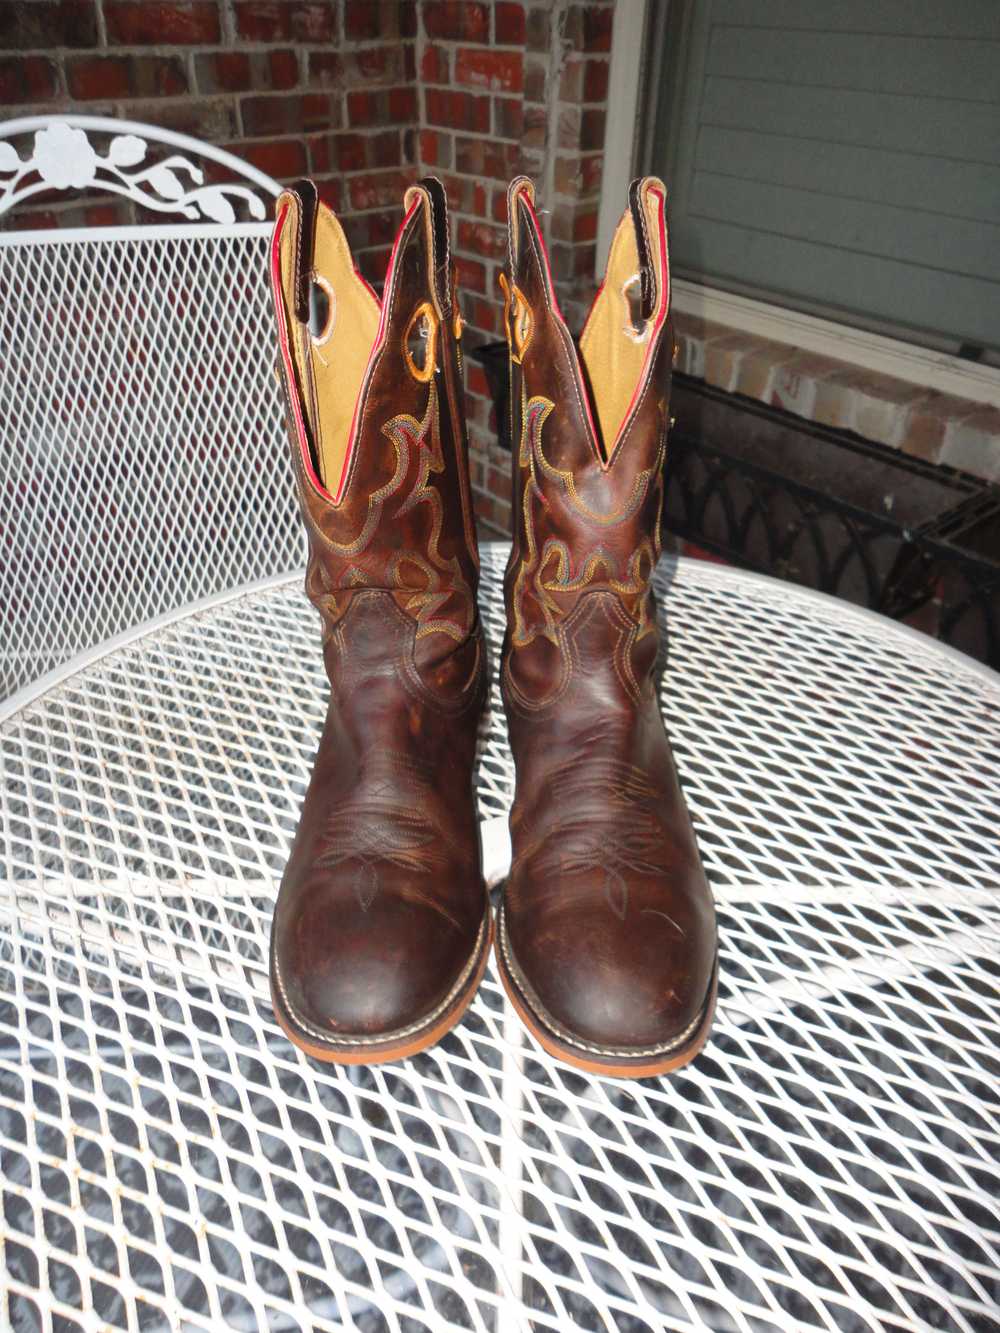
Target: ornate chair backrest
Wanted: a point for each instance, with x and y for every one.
(143, 464)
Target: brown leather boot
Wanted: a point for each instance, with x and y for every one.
(382, 926)
(606, 937)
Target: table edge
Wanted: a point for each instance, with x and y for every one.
(709, 570)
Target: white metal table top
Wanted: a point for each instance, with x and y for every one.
(831, 1161)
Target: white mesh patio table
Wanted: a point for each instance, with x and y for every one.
(830, 1161)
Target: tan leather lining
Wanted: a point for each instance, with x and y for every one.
(612, 349)
(330, 372)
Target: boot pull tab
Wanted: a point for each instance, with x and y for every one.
(647, 279)
(439, 258)
(519, 186)
(307, 196)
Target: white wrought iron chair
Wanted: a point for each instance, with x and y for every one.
(142, 459)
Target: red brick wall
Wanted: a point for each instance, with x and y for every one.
(297, 87)
(363, 95)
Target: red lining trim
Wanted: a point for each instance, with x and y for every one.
(286, 356)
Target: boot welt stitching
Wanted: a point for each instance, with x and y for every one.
(397, 1033)
(624, 1052)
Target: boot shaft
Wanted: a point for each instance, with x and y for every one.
(588, 437)
(606, 933)
(373, 402)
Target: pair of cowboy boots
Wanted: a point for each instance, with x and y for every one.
(605, 938)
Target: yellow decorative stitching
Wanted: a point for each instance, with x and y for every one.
(547, 573)
(439, 580)
(407, 433)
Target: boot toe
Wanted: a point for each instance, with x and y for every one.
(615, 990)
(354, 979)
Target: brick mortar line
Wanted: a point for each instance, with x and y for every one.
(480, 135)
(227, 22)
(457, 44)
(493, 94)
(221, 47)
(510, 95)
(304, 136)
(477, 220)
(454, 44)
(557, 56)
(581, 153)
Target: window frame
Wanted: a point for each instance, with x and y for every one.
(640, 32)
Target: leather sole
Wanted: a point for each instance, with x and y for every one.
(540, 1026)
(361, 1051)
